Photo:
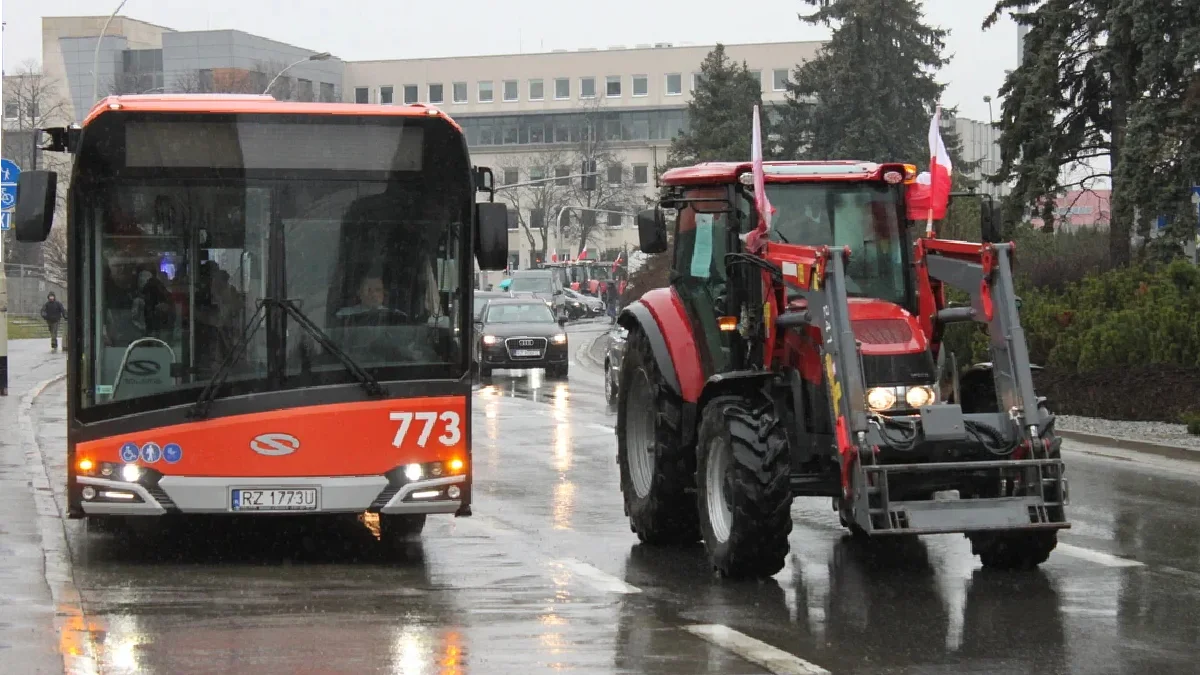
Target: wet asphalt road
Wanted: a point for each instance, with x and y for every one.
(547, 577)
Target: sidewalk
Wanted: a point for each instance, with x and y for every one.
(28, 642)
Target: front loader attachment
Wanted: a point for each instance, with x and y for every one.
(993, 474)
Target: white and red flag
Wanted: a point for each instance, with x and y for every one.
(756, 238)
(929, 197)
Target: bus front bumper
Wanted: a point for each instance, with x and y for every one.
(387, 494)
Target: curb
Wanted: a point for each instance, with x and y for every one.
(78, 655)
(1144, 447)
(584, 353)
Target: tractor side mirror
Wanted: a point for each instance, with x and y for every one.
(989, 222)
(491, 236)
(652, 230)
(34, 213)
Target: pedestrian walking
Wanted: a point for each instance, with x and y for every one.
(53, 312)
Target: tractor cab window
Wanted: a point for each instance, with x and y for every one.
(702, 238)
(863, 216)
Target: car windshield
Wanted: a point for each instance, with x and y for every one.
(531, 284)
(863, 216)
(183, 256)
(530, 312)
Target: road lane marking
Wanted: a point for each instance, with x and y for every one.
(601, 581)
(600, 427)
(755, 651)
(1106, 559)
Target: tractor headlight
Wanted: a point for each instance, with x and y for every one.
(881, 398)
(920, 396)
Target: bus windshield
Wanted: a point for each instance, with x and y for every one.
(343, 218)
(863, 216)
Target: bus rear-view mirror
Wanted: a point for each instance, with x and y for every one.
(34, 212)
(652, 230)
(491, 236)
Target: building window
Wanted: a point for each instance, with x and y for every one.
(641, 174)
(757, 75)
(562, 88)
(410, 93)
(486, 95)
(537, 218)
(510, 90)
(537, 90)
(696, 78)
(510, 176)
(537, 173)
(12, 110)
(328, 92)
(513, 224)
(587, 87)
(460, 92)
(674, 84)
(614, 174)
(612, 86)
(385, 95)
(436, 93)
(614, 220)
(779, 78)
(641, 85)
(561, 172)
(362, 95)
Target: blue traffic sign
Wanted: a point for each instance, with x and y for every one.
(9, 172)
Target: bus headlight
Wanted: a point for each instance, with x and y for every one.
(131, 472)
(413, 472)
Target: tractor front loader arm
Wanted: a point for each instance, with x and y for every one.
(984, 271)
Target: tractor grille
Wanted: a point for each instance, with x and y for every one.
(516, 344)
(883, 331)
(882, 370)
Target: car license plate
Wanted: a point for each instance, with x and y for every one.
(277, 499)
(526, 352)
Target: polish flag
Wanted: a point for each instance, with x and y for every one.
(940, 171)
(757, 238)
(583, 252)
(616, 263)
(553, 257)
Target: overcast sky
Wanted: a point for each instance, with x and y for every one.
(386, 29)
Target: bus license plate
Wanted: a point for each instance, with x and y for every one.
(526, 352)
(279, 499)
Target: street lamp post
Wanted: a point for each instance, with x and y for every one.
(96, 56)
(323, 56)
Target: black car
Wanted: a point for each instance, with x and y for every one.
(580, 306)
(612, 361)
(521, 333)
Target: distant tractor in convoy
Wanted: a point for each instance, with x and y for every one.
(814, 367)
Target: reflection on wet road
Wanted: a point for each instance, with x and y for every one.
(547, 577)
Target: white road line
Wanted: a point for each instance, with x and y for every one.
(601, 581)
(755, 651)
(1088, 554)
(600, 427)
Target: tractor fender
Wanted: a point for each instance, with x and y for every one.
(660, 314)
(748, 383)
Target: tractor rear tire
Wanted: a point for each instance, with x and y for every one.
(1013, 550)
(744, 491)
(657, 473)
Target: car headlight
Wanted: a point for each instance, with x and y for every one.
(919, 396)
(489, 339)
(881, 398)
(560, 339)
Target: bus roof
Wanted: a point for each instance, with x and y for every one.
(708, 173)
(252, 104)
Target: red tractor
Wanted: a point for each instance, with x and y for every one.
(815, 368)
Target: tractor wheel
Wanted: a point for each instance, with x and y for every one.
(657, 474)
(1013, 550)
(744, 490)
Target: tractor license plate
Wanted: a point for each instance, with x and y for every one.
(526, 352)
(278, 499)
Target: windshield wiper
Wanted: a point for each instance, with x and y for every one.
(369, 383)
(204, 402)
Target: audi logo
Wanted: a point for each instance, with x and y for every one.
(275, 445)
(525, 343)
(142, 368)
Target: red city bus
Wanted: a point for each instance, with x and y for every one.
(272, 307)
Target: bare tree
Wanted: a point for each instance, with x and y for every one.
(536, 206)
(33, 101)
(598, 135)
